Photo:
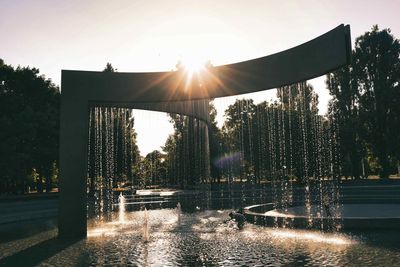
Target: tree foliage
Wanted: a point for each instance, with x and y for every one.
(29, 129)
(154, 167)
(365, 103)
(377, 72)
(344, 109)
(187, 152)
(275, 140)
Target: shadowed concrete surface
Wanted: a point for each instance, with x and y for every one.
(44, 249)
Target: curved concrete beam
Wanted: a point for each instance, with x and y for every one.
(319, 56)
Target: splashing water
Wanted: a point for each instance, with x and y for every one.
(121, 210)
(178, 213)
(146, 226)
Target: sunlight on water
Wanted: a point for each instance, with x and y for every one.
(108, 231)
(309, 236)
(208, 225)
(134, 222)
(275, 213)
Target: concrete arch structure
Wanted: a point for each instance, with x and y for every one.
(173, 92)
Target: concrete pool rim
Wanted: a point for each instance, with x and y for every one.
(256, 214)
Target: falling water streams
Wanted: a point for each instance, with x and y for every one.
(294, 147)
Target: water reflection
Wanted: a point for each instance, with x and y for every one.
(207, 238)
(309, 236)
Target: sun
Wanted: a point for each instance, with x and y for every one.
(193, 65)
(195, 70)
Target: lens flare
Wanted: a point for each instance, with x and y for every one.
(193, 65)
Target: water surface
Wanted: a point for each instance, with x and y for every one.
(203, 238)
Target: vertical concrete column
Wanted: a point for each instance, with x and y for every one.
(72, 221)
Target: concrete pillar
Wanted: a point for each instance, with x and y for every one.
(72, 222)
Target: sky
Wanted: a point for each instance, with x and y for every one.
(139, 36)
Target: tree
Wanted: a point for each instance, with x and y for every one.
(299, 108)
(109, 68)
(217, 146)
(377, 73)
(187, 156)
(238, 130)
(170, 149)
(29, 128)
(344, 107)
(154, 166)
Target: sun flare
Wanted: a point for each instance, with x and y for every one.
(193, 65)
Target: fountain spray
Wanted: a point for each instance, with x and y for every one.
(146, 235)
(121, 208)
(178, 213)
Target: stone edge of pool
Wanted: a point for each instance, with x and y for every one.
(256, 214)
